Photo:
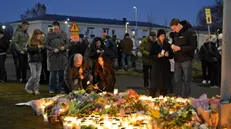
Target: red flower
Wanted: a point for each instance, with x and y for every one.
(132, 94)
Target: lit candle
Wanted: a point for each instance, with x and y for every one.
(115, 91)
(45, 118)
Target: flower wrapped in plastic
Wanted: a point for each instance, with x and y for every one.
(202, 102)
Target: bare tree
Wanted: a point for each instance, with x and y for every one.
(38, 10)
(216, 12)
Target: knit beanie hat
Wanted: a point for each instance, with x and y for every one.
(160, 32)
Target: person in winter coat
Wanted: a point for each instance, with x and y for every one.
(77, 47)
(44, 78)
(184, 48)
(57, 57)
(145, 47)
(104, 75)
(20, 39)
(126, 48)
(4, 45)
(112, 51)
(77, 73)
(34, 49)
(98, 48)
(160, 53)
(205, 63)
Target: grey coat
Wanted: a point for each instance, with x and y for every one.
(56, 61)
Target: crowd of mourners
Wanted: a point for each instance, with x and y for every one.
(67, 65)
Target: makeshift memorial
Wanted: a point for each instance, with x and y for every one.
(128, 110)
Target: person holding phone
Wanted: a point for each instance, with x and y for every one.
(160, 53)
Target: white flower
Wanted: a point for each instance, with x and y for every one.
(203, 126)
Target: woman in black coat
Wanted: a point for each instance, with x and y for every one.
(160, 53)
(104, 74)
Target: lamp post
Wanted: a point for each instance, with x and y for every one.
(126, 27)
(67, 25)
(136, 17)
(226, 69)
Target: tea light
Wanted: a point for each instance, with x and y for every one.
(115, 91)
(45, 118)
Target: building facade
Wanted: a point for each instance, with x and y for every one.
(91, 27)
(95, 27)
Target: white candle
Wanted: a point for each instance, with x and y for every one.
(115, 91)
(162, 52)
(45, 118)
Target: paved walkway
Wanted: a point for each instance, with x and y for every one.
(125, 81)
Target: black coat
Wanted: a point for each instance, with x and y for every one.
(105, 78)
(160, 66)
(71, 74)
(209, 53)
(77, 48)
(4, 42)
(93, 51)
(34, 54)
(112, 50)
(187, 40)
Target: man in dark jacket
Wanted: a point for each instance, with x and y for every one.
(77, 73)
(184, 47)
(20, 40)
(77, 47)
(4, 44)
(145, 48)
(126, 47)
(112, 51)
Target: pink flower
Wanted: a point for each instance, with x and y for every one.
(97, 109)
(119, 101)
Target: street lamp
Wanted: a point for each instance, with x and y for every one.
(3, 27)
(126, 27)
(66, 22)
(135, 16)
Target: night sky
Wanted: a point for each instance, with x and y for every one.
(162, 10)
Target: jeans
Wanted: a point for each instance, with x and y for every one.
(146, 74)
(125, 56)
(3, 75)
(183, 78)
(33, 82)
(53, 86)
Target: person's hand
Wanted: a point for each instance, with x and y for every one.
(40, 46)
(96, 87)
(81, 77)
(80, 71)
(98, 51)
(22, 52)
(175, 48)
(56, 50)
(62, 48)
(160, 55)
(166, 54)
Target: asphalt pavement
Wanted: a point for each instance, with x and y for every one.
(123, 81)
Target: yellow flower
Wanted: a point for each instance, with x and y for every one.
(155, 114)
(176, 106)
